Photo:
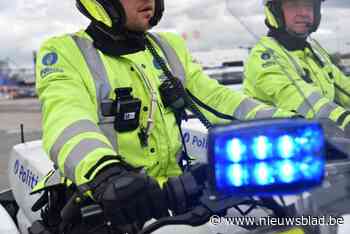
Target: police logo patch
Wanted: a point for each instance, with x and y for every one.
(50, 59)
(268, 64)
(265, 56)
(49, 70)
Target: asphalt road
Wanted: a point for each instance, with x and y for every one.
(13, 113)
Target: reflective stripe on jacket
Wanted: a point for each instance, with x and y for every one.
(73, 78)
(296, 81)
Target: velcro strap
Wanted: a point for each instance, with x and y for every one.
(105, 174)
(101, 161)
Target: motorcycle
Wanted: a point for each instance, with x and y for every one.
(267, 176)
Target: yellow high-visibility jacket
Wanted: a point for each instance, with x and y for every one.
(73, 79)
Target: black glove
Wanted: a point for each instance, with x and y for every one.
(128, 197)
(183, 192)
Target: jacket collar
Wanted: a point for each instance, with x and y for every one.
(126, 43)
(288, 41)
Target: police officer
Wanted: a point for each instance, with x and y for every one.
(290, 70)
(108, 105)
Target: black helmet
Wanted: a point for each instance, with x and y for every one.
(110, 14)
(275, 18)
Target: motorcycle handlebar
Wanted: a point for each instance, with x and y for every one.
(189, 199)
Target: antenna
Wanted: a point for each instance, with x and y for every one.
(22, 133)
(244, 25)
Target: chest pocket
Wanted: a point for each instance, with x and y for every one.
(103, 87)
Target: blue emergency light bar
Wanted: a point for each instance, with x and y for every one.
(269, 157)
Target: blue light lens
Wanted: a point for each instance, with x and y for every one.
(310, 140)
(286, 146)
(235, 150)
(233, 175)
(286, 155)
(262, 147)
(287, 171)
(263, 174)
(310, 167)
(236, 175)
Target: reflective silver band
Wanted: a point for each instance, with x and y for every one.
(171, 56)
(102, 85)
(96, 67)
(326, 110)
(265, 113)
(320, 51)
(309, 103)
(78, 153)
(68, 133)
(246, 106)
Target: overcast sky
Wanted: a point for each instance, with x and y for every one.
(206, 24)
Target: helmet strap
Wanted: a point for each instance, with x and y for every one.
(158, 13)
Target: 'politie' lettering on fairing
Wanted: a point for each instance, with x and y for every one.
(25, 175)
(196, 141)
